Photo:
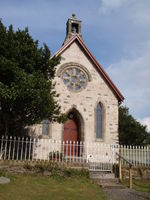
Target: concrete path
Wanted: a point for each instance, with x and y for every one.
(124, 194)
(114, 190)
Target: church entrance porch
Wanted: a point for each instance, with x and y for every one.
(72, 135)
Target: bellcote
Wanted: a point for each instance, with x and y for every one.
(73, 26)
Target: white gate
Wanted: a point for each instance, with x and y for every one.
(104, 159)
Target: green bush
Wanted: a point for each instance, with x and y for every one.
(55, 156)
(56, 169)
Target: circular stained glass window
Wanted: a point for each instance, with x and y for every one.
(74, 78)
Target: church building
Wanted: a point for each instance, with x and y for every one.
(87, 95)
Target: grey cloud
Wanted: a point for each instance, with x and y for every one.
(132, 77)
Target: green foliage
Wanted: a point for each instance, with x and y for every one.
(56, 170)
(27, 94)
(55, 155)
(142, 185)
(70, 172)
(131, 132)
(52, 167)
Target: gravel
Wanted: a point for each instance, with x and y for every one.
(124, 194)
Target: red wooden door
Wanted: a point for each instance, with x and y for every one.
(70, 131)
(70, 136)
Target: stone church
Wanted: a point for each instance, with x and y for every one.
(86, 94)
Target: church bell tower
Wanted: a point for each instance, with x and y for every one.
(73, 26)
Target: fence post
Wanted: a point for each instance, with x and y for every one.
(1, 152)
(5, 151)
(10, 141)
(13, 148)
(87, 153)
(130, 176)
(120, 170)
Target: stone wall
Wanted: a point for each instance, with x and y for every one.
(137, 172)
(85, 101)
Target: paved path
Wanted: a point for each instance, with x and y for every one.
(124, 194)
(116, 191)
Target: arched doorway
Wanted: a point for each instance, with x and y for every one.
(72, 134)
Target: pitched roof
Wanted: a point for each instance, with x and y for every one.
(98, 66)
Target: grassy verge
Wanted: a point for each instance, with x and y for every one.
(72, 186)
(142, 185)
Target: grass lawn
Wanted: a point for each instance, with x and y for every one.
(32, 187)
(142, 185)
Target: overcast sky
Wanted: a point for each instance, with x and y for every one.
(116, 31)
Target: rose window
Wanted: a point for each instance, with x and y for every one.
(74, 78)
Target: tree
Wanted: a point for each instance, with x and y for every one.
(27, 93)
(131, 132)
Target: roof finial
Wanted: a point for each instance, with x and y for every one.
(73, 15)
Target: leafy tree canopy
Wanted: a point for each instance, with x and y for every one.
(131, 132)
(27, 93)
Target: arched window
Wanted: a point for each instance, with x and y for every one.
(99, 121)
(45, 127)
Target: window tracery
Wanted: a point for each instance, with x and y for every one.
(74, 78)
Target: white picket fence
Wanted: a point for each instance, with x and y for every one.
(98, 156)
(137, 155)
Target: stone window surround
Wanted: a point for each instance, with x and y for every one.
(99, 121)
(103, 121)
(49, 136)
(71, 64)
